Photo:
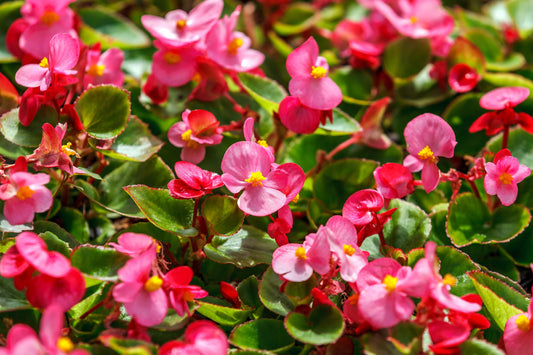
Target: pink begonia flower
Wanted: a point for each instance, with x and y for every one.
(179, 28)
(192, 181)
(198, 129)
(177, 283)
(142, 294)
(174, 66)
(447, 337)
(503, 175)
(518, 333)
(502, 101)
(372, 133)
(103, 68)
(296, 262)
(394, 180)
(62, 57)
(136, 244)
(298, 117)
(202, 337)
(46, 18)
(51, 153)
(343, 243)
(310, 82)
(247, 166)
(212, 83)
(428, 137)
(22, 339)
(463, 78)
(155, 90)
(281, 226)
(24, 195)
(230, 49)
(249, 135)
(386, 288)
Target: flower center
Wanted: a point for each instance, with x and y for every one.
(65, 149)
(427, 154)
(262, 143)
(234, 45)
(413, 19)
(154, 283)
(318, 72)
(255, 178)
(506, 178)
(172, 58)
(49, 18)
(181, 24)
(449, 280)
(65, 344)
(354, 299)
(186, 136)
(24, 192)
(390, 283)
(348, 249)
(296, 198)
(96, 70)
(300, 253)
(522, 323)
(44, 63)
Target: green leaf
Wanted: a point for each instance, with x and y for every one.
(136, 143)
(409, 226)
(53, 243)
(104, 111)
(10, 298)
(110, 29)
(361, 93)
(297, 18)
(508, 79)
(512, 62)
(97, 294)
(469, 221)
(340, 179)
(164, 211)
(519, 144)
(130, 346)
(98, 262)
(405, 57)
(226, 316)
(323, 325)
(498, 298)
(222, 215)
(317, 213)
(40, 227)
(271, 296)
(378, 343)
(267, 92)
(248, 291)
(31, 135)
(262, 334)
(303, 149)
(300, 292)
(12, 151)
(464, 51)
(480, 347)
(74, 222)
(519, 11)
(489, 45)
(9, 12)
(342, 123)
(248, 247)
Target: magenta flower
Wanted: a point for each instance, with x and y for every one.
(179, 28)
(174, 66)
(142, 294)
(463, 78)
(24, 195)
(202, 337)
(281, 226)
(310, 82)
(51, 153)
(192, 181)
(136, 244)
(104, 68)
(503, 175)
(62, 57)
(45, 18)
(247, 166)
(428, 137)
(230, 49)
(394, 180)
(198, 129)
(298, 117)
(177, 282)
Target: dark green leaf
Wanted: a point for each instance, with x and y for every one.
(10, 298)
(74, 222)
(263, 334)
(409, 226)
(265, 91)
(271, 296)
(323, 325)
(222, 315)
(405, 57)
(98, 262)
(222, 215)
(29, 136)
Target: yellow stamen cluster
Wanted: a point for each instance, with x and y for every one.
(300, 253)
(172, 58)
(506, 178)
(348, 249)
(523, 323)
(255, 178)
(44, 63)
(154, 283)
(296, 198)
(353, 299)
(186, 136)
(318, 72)
(390, 283)
(449, 280)
(65, 149)
(96, 70)
(181, 24)
(262, 143)
(24, 192)
(234, 45)
(414, 19)
(65, 344)
(427, 154)
(49, 18)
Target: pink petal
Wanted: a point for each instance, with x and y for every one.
(64, 52)
(31, 75)
(22, 339)
(126, 291)
(193, 155)
(286, 264)
(297, 117)
(180, 190)
(432, 131)
(148, 308)
(207, 338)
(175, 132)
(384, 309)
(12, 263)
(318, 94)
(19, 212)
(174, 74)
(412, 163)
(507, 193)
(260, 200)
(51, 325)
(42, 198)
(243, 158)
(517, 341)
(301, 60)
(500, 98)
(248, 129)
(34, 250)
(179, 276)
(430, 177)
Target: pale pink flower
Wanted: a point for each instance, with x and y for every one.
(136, 244)
(62, 57)
(248, 166)
(51, 152)
(503, 175)
(202, 337)
(192, 181)
(518, 333)
(174, 66)
(231, 49)
(428, 137)
(104, 68)
(310, 82)
(179, 28)
(180, 292)
(198, 129)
